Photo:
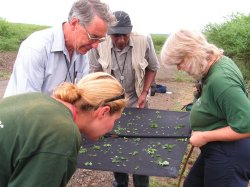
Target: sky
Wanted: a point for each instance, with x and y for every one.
(149, 16)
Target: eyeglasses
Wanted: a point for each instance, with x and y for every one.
(122, 96)
(94, 38)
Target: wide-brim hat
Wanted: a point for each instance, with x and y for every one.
(123, 25)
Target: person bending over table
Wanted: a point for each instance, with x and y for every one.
(58, 54)
(220, 117)
(40, 136)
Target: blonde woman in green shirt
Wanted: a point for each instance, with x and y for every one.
(220, 117)
(40, 136)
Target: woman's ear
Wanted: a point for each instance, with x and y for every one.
(103, 111)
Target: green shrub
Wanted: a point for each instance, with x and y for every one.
(233, 36)
(9, 44)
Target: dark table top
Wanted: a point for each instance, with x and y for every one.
(152, 143)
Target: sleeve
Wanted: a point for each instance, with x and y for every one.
(43, 169)
(94, 65)
(235, 105)
(151, 56)
(28, 72)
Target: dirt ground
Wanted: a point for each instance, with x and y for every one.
(181, 94)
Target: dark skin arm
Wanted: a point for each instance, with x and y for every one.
(149, 78)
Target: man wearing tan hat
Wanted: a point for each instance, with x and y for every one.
(131, 58)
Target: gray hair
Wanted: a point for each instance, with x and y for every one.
(191, 46)
(85, 10)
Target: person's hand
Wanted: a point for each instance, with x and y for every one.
(142, 100)
(198, 139)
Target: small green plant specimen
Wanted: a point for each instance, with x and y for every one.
(154, 125)
(107, 145)
(134, 153)
(97, 147)
(88, 164)
(178, 126)
(162, 162)
(83, 150)
(169, 147)
(151, 150)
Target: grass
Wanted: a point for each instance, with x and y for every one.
(1, 61)
(12, 34)
(4, 75)
(182, 76)
(160, 183)
(158, 40)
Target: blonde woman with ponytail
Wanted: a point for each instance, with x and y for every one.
(40, 136)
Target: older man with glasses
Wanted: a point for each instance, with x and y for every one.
(54, 55)
(131, 58)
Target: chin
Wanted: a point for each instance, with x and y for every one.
(121, 48)
(82, 52)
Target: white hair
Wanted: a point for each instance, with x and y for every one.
(192, 47)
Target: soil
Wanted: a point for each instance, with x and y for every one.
(179, 93)
(7, 60)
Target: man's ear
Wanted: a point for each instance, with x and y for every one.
(103, 111)
(73, 22)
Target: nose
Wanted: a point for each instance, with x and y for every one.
(121, 38)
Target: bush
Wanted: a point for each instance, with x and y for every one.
(233, 37)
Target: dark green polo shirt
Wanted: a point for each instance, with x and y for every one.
(224, 100)
(39, 142)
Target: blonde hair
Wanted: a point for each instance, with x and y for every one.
(91, 91)
(190, 46)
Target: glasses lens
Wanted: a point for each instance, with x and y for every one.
(94, 38)
(97, 39)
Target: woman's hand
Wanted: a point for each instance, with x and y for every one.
(198, 139)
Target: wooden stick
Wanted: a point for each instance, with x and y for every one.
(184, 166)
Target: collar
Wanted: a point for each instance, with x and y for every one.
(58, 43)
